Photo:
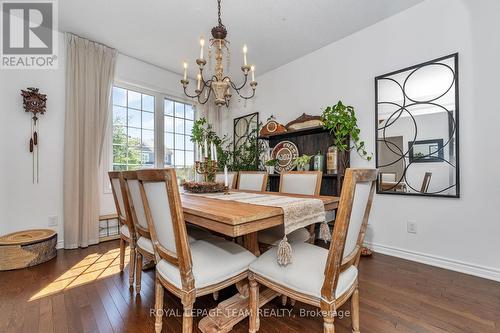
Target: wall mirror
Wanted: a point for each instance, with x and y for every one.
(416, 128)
(246, 131)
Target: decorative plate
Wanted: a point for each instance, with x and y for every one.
(285, 152)
(272, 127)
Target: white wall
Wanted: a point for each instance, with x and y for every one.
(460, 234)
(25, 205)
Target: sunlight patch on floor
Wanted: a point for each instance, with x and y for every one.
(93, 267)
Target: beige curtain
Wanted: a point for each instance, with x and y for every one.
(90, 71)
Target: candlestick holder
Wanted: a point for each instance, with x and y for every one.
(207, 169)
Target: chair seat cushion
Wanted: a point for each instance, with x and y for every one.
(274, 235)
(124, 230)
(214, 260)
(306, 272)
(145, 244)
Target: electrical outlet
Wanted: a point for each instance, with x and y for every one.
(411, 227)
(53, 221)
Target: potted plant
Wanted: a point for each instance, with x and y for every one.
(270, 164)
(341, 121)
(302, 163)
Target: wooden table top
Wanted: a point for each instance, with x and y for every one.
(234, 218)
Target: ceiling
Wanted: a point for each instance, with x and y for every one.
(166, 32)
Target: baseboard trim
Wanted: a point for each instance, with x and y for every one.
(60, 244)
(454, 265)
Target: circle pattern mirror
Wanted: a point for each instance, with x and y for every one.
(416, 126)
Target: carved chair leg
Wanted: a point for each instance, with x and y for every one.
(138, 272)
(187, 318)
(131, 265)
(284, 298)
(122, 254)
(355, 311)
(328, 324)
(158, 305)
(253, 325)
(215, 294)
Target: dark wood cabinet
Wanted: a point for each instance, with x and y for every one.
(309, 141)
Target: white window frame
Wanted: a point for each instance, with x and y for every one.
(158, 129)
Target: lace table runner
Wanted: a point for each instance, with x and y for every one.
(297, 213)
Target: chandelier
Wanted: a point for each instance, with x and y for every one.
(218, 84)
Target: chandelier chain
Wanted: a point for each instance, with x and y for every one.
(220, 20)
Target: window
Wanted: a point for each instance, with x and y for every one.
(138, 119)
(133, 130)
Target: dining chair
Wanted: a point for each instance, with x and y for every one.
(317, 276)
(232, 178)
(144, 245)
(252, 180)
(187, 270)
(387, 177)
(294, 182)
(127, 231)
(425, 182)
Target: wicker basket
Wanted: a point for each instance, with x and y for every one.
(203, 187)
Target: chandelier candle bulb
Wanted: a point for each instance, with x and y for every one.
(202, 44)
(253, 73)
(226, 179)
(185, 70)
(245, 50)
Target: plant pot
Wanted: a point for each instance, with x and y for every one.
(270, 169)
(303, 168)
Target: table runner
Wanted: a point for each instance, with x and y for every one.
(298, 213)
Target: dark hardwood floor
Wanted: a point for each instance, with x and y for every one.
(82, 291)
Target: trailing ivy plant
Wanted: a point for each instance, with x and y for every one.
(341, 121)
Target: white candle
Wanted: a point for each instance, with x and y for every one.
(199, 81)
(226, 179)
(199, 153)
(253, 73)
(245, 49)
(202, 43)
(206, 149)
(215, 153)
(185, 70)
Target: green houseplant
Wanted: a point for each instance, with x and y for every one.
(270, 165)
(341, 121)
(303, 162)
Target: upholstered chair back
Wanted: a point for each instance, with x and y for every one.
(301, 182)
(231, 177)
(388, 177)
(160, 208)
(116, 188)
(132, 187)
(361, 197)
(350, 226)
(252, 180)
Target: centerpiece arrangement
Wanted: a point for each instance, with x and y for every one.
(207, 162)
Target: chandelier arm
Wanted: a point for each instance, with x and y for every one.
(206, 99)
(246, 97)
(242, 86)
(188, 95)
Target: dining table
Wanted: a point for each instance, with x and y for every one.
(243, 221)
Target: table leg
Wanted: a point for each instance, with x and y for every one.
(251, 243)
